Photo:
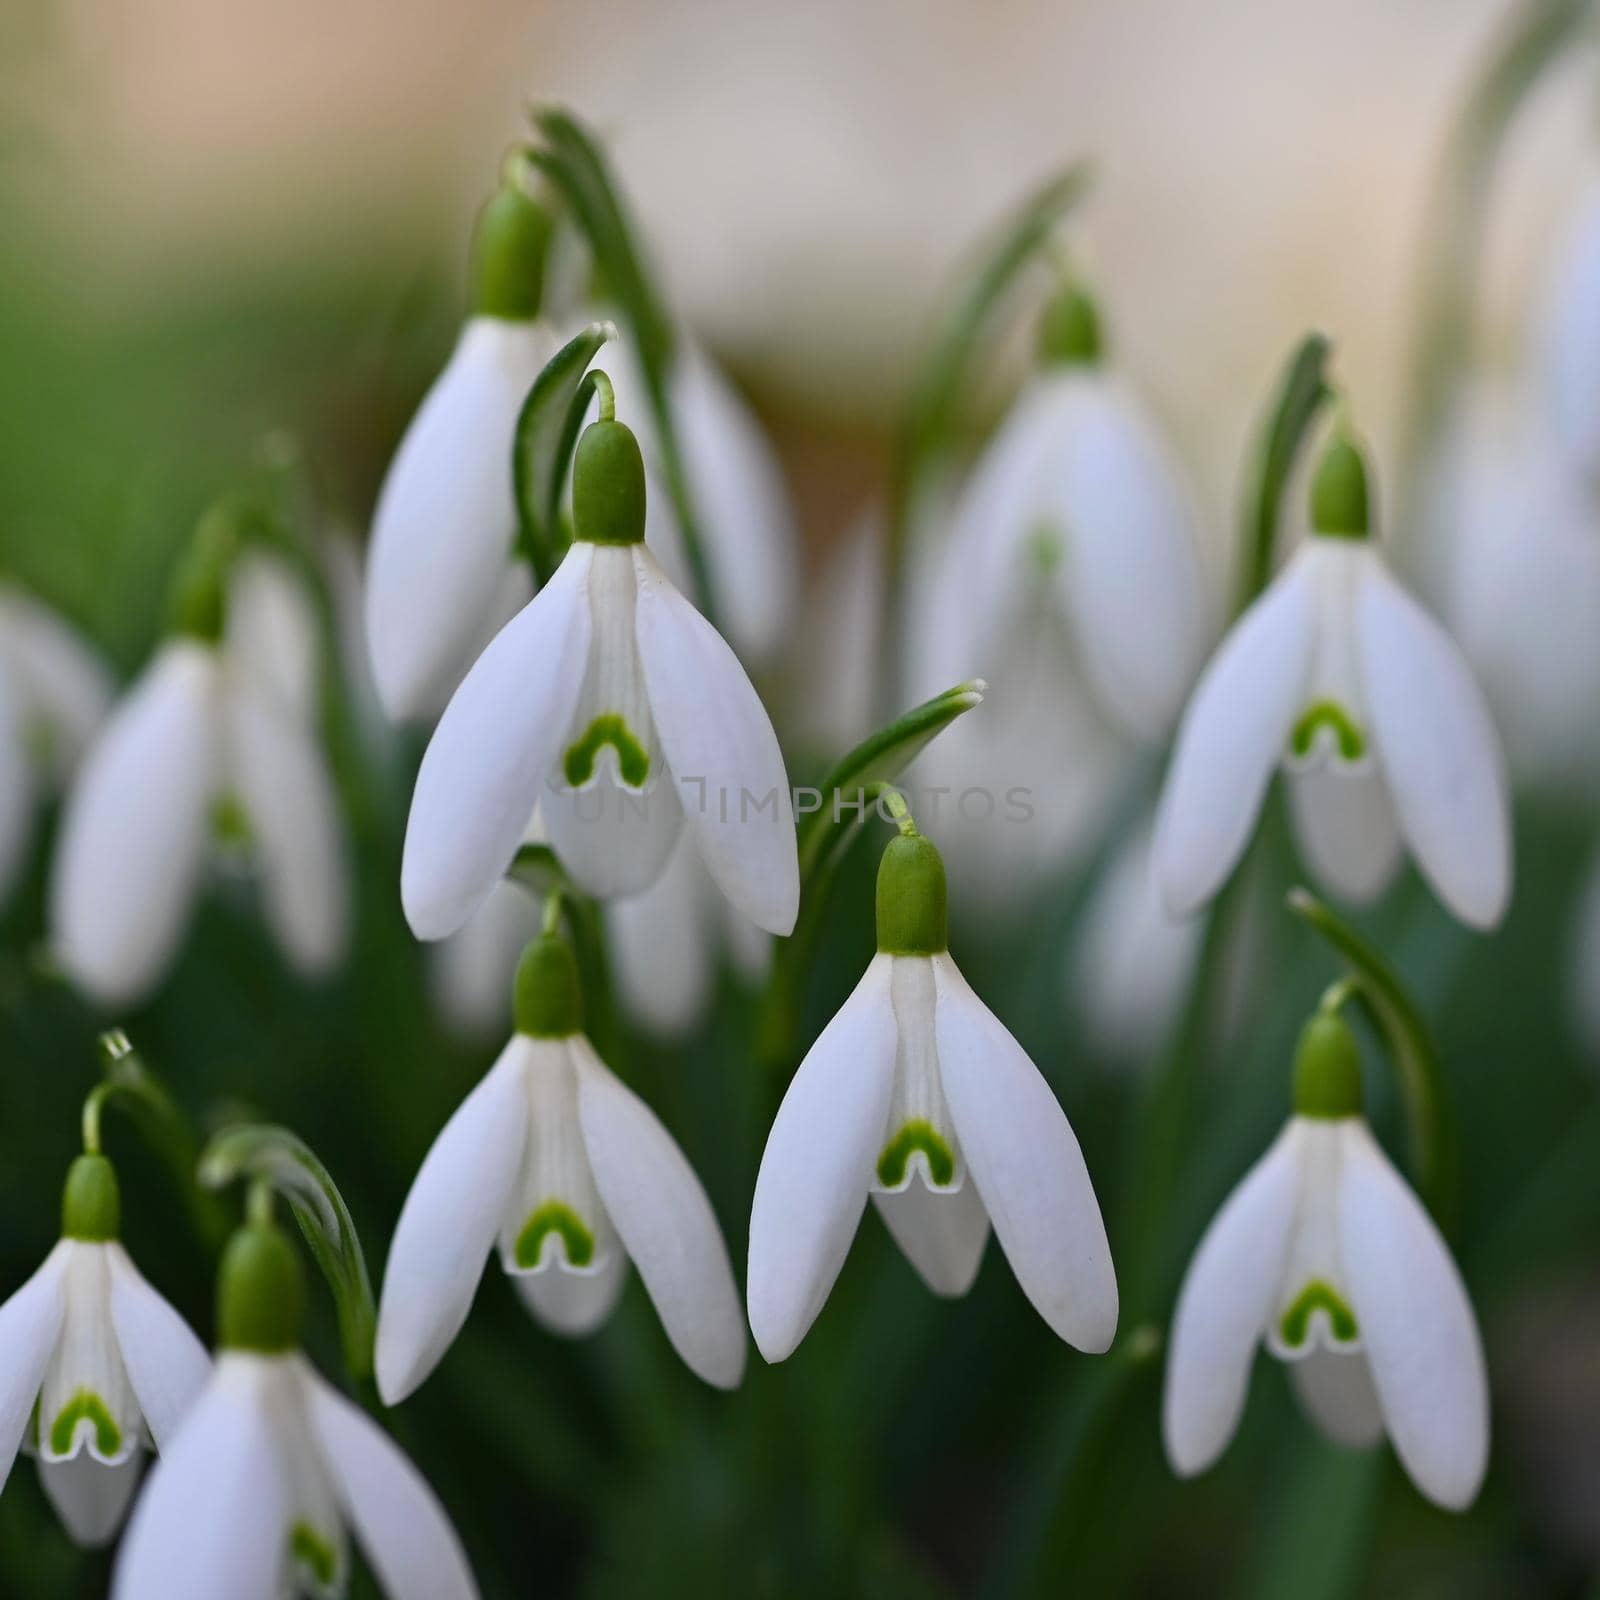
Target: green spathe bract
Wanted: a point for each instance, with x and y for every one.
(509, 246)
(608, 485)
(261, 1291)
(1069, 330)
(91, 1203)
(912, 898)
(555, 1217)
(1339, 502)
(1327, 1069)
(548, 999)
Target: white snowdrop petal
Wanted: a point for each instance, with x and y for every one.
(214, 1516)
(166, 1364)
(1438, 748)
(272, 633)
(722, 752)
(90, 1497)
(472, 970)
(942, 1235)
(1417, 1326)
(403, 1530)
(1223, 1308)
(29, 1324)
(1347, 829)
(1234, 733)
(1335, 1390)
(284, 786)
(1569, 344)
(818, 1163)
(1022, 1154)
(574, 1303)
(60, 680)
(447, 1225)
(660, 947)
(446, 521)
(135, 833)
(665, 1221)
(486, 764)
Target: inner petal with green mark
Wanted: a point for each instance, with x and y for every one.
(316, 1556)
(1349, 741)
(633, 760)
(558, 1222)
(1318, 1298)
(916, 1139)
(87, 1411)
(920, 1139)
(230, 822)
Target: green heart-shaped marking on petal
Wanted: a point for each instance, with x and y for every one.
(316, 1554)
(85, 1403)
(633, 761)
(1328, 714)
(914, 1136)
(554, 1217)
(1317, 1295)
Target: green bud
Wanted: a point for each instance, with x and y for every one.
(608, 485)
(1339, 506)
(1069, 330)
(91, 1203)
(911, 898)
(548, 1000)
(261, 1291)
(1327, 1069)
(509, 244)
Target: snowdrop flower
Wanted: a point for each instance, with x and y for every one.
(916, 1094)
(442, 557)
(195, 756)
(1338, 676)
(272, 1469)
(97, 1368)
(1071, 581)
(1324, 1254)
(614, 706)
(562, 1164)
(1568, 353)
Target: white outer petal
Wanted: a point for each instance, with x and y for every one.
(90, 1497)
(1228, 1295)
(446, 520)
(720, 747)
(1335, 1390)
(135, 834)
(272, 635)
(297, 834)
(1347, 829)
(1022, 1154)
(29, 1323)
(403, 1530)
(447, 1225)
(942, 1235)
(214, 1516)
(59, 676)
(1438, 748)
(166, 1364)
(664, 1220)
(818, 1165)
(1417, 1326)
(487, 761)
(1569, 344)
(1234, 733)
(661, 946)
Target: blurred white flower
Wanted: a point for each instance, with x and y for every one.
(54, 691)
(1324, 1254)
(97, 1368)
(196, 757)
(573, 1174)
(470, 972)
(916, 1095)
(1338, 676)
(1568, 350)
(613, 705)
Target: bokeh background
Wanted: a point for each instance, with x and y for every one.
(222, 222)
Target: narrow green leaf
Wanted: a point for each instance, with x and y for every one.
(547, 432)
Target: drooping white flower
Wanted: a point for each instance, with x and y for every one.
(916, 1095)
(558, 1161)
(442, 559)
(195, 756)
(1568, 350)
(96, 1369)
(613, 705)
(1326, 1256)
(272, 1470)
(54, 691)
(1070, 580)
(1340, 678)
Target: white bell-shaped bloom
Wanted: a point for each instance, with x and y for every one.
(1326, 1256)
(613, 705)
(54, 691)
(1568, 353)
(195, 755)
(917, 1095)
(558, 1162)
(96, 1370)
(1340, 678)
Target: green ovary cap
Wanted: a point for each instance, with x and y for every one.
(911, 899)
(509, 245)
(261, 1291)
(608, 485)
(1339, 505)
(1327, 1069)
(1069, 330)
(548, 999)
(91, 1203)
